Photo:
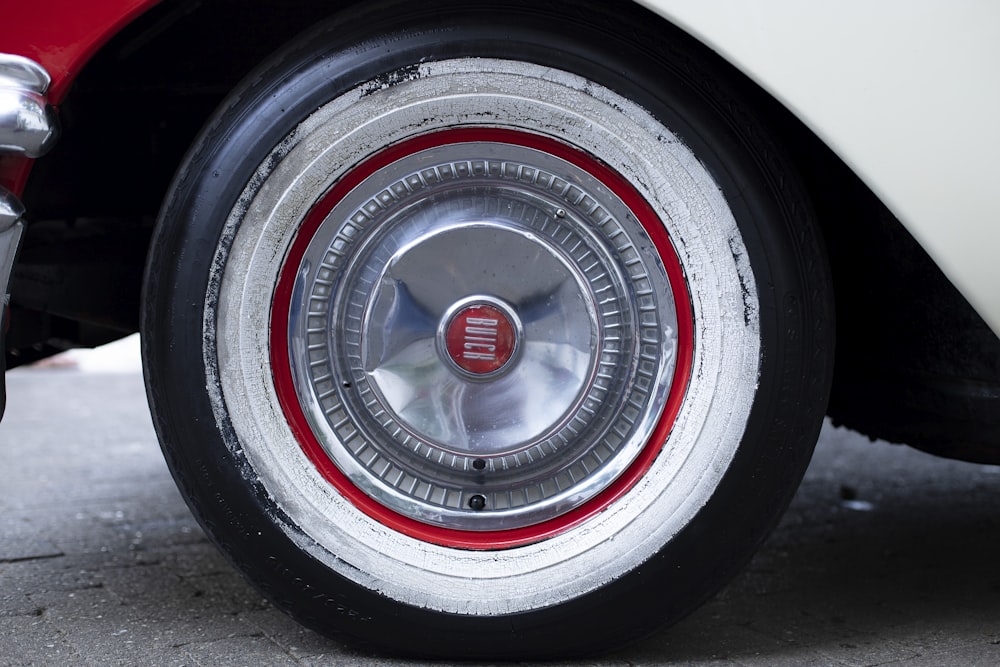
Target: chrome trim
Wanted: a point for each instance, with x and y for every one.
(11, 228)
(11, 210)
(9, 242)
(28, 128)
(20, 72)
(28, 125)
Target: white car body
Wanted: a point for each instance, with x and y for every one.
(906, 93)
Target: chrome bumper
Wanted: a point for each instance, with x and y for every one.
(27, 122)
(28, 129)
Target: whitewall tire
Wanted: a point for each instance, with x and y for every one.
(486, 344)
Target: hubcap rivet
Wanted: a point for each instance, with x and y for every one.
(477, 502)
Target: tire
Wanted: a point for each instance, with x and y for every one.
(469, 336)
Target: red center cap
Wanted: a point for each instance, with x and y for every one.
(480, 339)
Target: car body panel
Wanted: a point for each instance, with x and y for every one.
(906, 93)
(62, 35)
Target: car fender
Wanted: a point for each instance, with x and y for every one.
(904, 92)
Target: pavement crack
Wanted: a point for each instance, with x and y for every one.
(25, 559)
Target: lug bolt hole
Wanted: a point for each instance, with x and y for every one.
(477, 502)
(479, 464)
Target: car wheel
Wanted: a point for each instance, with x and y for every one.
(472, 334)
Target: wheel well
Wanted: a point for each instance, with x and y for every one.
(139, 103)
(915, 363)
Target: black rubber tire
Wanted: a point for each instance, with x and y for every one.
(625, 50)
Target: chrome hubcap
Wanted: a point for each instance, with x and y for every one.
(482, 335)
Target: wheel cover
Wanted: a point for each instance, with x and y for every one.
(482, 336)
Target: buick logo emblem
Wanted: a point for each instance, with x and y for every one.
(480, 338)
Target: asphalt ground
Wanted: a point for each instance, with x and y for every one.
(887, 556)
